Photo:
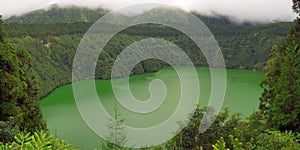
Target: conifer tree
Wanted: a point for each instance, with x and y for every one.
(117, 132)
(18, 91)
(280, 101)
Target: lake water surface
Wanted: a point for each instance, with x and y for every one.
(64, 121)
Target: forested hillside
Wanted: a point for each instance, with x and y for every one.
(52, 42)
(47, 47)
(56, 14)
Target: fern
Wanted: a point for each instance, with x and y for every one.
(39, 140)
(22, 141)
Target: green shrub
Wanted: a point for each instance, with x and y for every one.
(39, 140)
(8, 129)
(278, 140)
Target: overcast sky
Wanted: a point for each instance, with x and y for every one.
(253, 10)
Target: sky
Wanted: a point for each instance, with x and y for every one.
(240, 10)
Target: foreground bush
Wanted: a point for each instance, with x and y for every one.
(270, 140)
(39, 140)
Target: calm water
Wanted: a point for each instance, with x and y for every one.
(64, 120)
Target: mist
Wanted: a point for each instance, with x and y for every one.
(238, 10)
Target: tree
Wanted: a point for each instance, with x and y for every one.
(117, 132)
(19, 92)
(296, 6)
(190, 138)
(280, 101)
(268, 140)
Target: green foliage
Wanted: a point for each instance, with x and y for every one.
(220, 145)
(276, 139)
(280, 101)
(227, 132)
(296, 6)
(190, 138)
(52, 47)
(117, 132)
(19, 93)
(153, 148)
(59, 15)
(8, 129)
(51, 38)
(237, 144)
(269, 140)
(39, 140)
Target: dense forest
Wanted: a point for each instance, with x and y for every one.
(52, 43)
(36, 55)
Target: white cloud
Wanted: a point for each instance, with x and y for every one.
(254, 10)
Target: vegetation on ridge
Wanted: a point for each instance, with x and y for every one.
(275, 125)
(52, 46)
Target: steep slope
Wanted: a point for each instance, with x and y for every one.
(53, 45)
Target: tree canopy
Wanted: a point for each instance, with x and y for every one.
(19, 105)
(280, 101)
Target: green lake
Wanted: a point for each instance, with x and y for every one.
(64, 120)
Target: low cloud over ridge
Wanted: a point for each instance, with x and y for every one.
(240, 10)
